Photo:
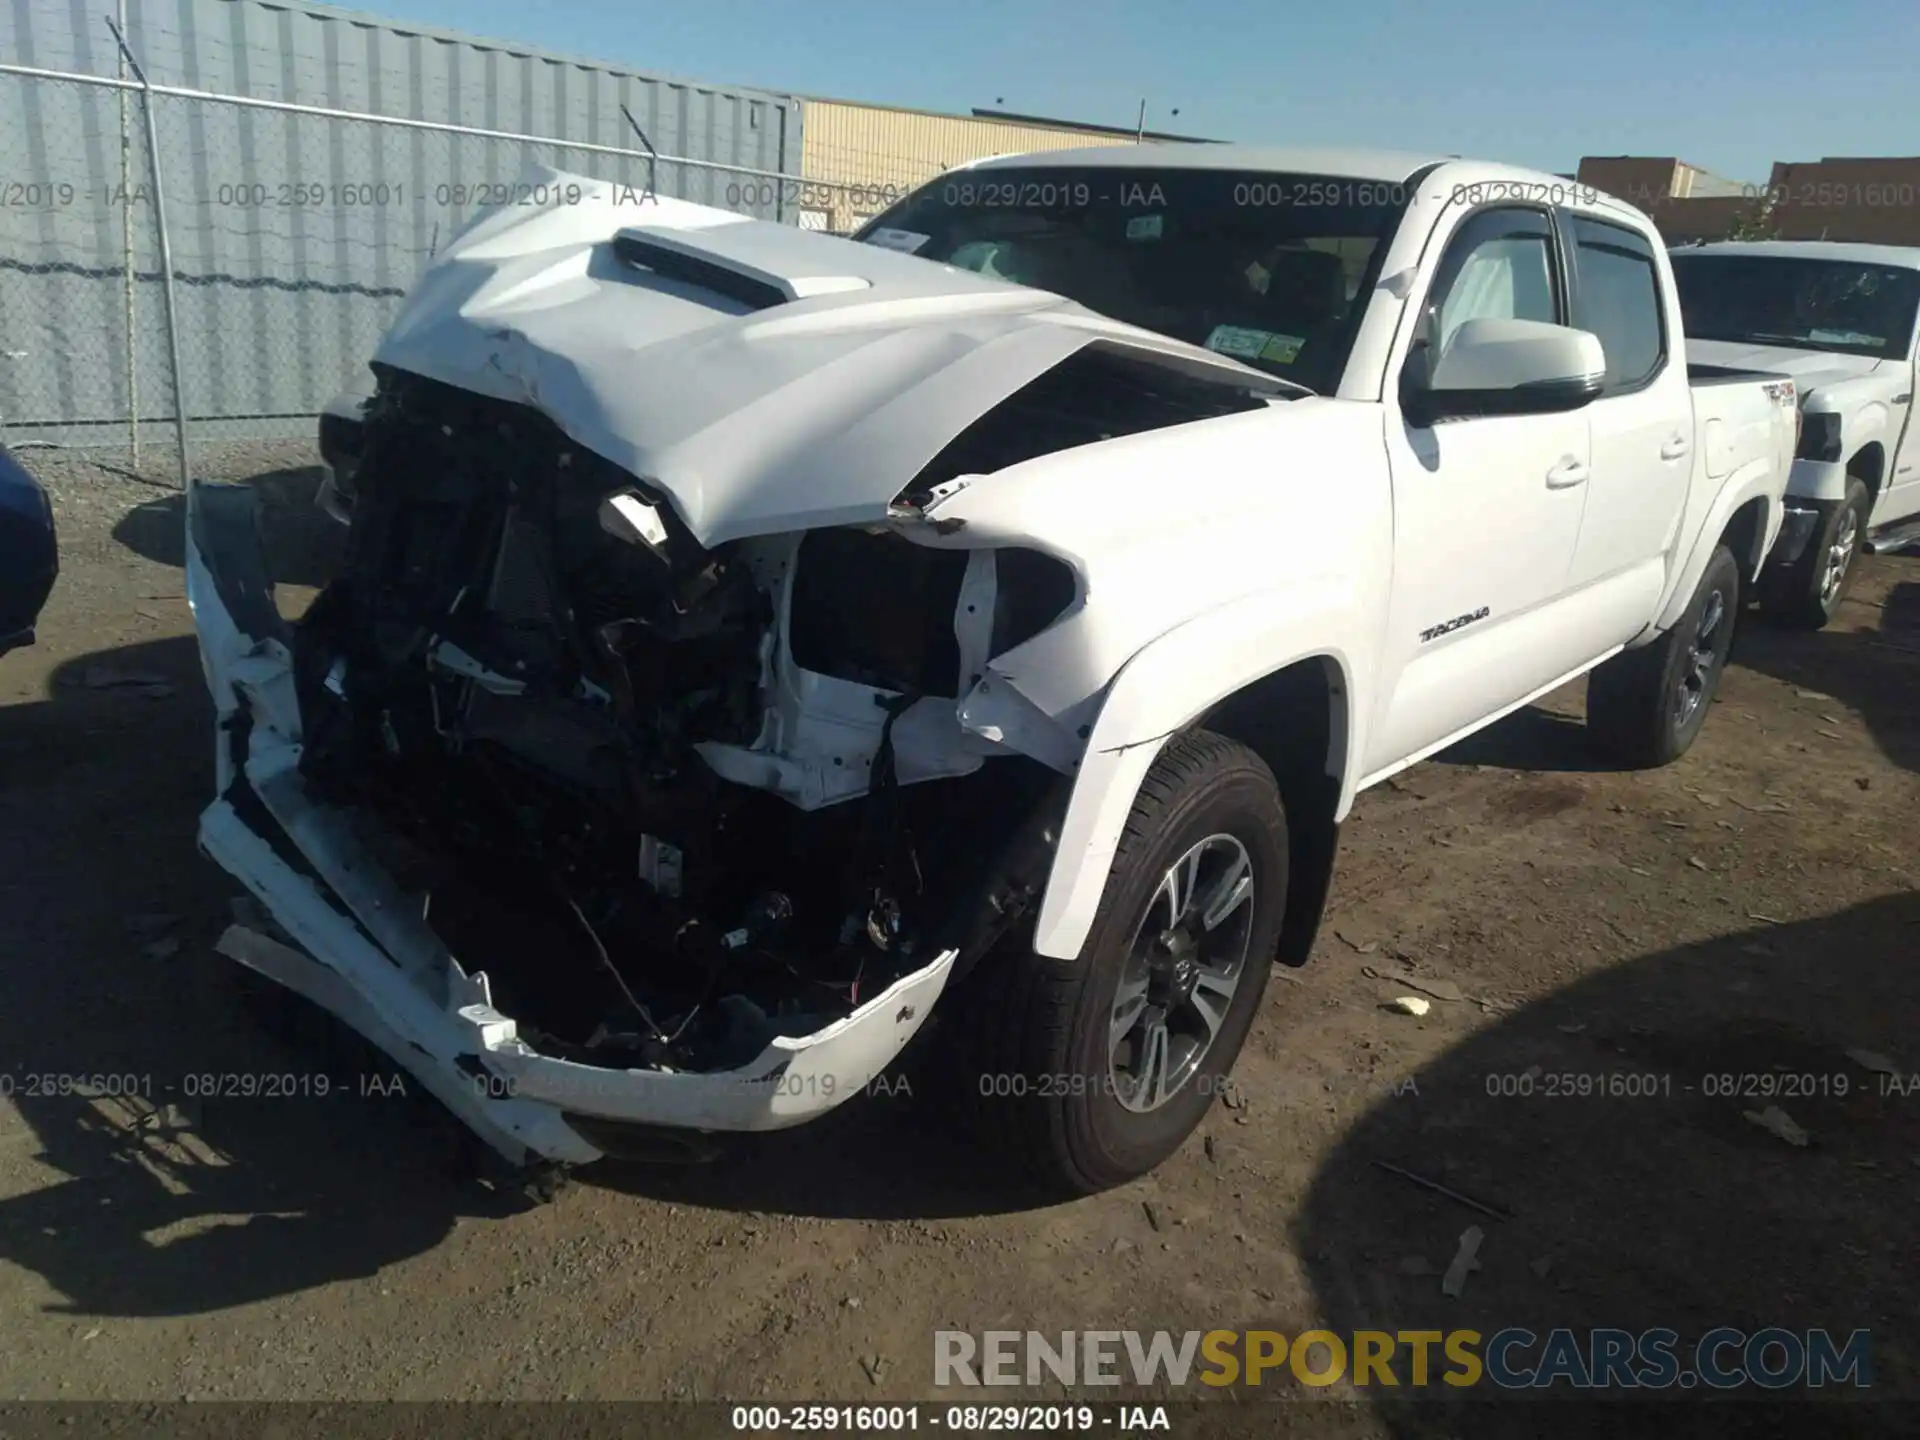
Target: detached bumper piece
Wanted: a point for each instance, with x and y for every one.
(1797, 526)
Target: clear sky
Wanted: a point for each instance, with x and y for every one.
(1725, 85)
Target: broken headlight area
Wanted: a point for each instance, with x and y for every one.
(541, 695)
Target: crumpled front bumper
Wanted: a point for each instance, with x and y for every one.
(362, 949)
(1798, 521)
(1817, 480)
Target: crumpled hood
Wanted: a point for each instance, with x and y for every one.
(755, 418)
(1811, 369)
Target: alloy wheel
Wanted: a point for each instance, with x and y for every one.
(1704, 654)
(1183, 965)
(1846, 537)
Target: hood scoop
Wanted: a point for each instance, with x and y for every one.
(673, 257)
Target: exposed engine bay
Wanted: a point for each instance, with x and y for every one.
(631, 775)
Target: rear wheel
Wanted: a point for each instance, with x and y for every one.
(1646, 706)
(1807, 592)
(1092, 1071)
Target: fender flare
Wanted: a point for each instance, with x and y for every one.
(1165, 687)
(1870, 423)
(1758, 479)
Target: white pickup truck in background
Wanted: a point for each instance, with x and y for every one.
(753, 642)
(1844, 322)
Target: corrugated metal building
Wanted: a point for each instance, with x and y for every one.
(858, 158)
(294, 235)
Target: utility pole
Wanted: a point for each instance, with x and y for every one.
(126, 251)
(1140, 124)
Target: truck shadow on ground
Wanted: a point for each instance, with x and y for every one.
(1869, 671)
(1873, 672)
(1612, 1122)
(1533, 739)
(169, 1190)
(303, 546)
(890, 1153)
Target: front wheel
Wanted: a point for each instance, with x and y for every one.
(1092, 1071)
(1645, 707)
(1807, 592)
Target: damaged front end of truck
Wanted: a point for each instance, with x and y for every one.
(654, 761)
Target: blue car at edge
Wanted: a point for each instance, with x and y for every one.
(29, 554)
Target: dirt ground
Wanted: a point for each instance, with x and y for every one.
(1753, 910)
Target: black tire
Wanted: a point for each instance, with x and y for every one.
(1636, 713)
(1806, 593)
(1028, 1038)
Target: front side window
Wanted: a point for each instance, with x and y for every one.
(1617, 297)
(1274, 270)
(1841, 306)
(1505, 279)
(1498, 266)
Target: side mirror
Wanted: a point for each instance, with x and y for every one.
(1509, 367)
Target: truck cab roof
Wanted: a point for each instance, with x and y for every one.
(1338, 162)
(1905, 256)
(1345, 162)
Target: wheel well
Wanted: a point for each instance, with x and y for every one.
(1744, 534)
(1296, 720)
(1869, 466)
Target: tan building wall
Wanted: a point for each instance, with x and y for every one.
(878, 154)
(1644, 179)
(1712, 217)
(1637, 179)
(1871, 201)
(1686, 202)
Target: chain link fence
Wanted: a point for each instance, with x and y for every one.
(84, 356)
(295, 233)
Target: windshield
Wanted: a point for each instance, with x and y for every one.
(1803, 304)
(1271, 269)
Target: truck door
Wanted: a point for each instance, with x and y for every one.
(1642, 427)
(1486, 509)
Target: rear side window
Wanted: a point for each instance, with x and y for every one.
(1617, 296)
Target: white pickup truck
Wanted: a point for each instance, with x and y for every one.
(754, 643)
(1844, 322)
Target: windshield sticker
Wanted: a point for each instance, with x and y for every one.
(1283, 349)
(1845, 337)
(1238, 342)
(907, 241)
(1145, 227)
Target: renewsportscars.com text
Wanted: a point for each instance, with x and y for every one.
(1514, 1358)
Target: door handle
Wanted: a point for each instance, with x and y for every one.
(1567, 474)
(1675, 448)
